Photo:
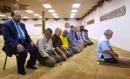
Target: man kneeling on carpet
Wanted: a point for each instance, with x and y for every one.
(105, 52)
(66, 42)
(57, 44)
(47, 55)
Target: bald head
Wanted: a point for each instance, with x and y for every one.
(16, 15)
(16, 12)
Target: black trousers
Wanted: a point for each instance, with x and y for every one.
(21, 58)
(109, 60)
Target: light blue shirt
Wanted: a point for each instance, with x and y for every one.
(79, 37)
(103, 45)
(21, 34)
(83, 36)
(71, 36)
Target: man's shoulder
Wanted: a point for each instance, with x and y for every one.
(53, 36)
(70, 32)
(41, 38)
(103, 40)
(22, 24)
(7, 22)
(61, 36)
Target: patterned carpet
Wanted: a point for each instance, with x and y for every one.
(81, 66)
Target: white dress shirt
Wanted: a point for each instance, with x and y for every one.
(44, 46)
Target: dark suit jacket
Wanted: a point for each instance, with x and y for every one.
(10, 35)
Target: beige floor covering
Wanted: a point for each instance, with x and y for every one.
(80, 66)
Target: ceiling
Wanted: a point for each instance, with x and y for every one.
(62, 7)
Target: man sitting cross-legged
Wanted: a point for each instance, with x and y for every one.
(104, 50)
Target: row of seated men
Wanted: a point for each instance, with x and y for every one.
(49, 49)
(61, 46)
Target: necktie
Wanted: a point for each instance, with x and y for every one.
(21, 33)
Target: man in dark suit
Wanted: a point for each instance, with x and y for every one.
(18, 42)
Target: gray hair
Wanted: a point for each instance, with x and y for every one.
(57, 30)
(108, 32)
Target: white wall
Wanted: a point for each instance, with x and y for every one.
(48, 24)
(1, 21)
(119, 25)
